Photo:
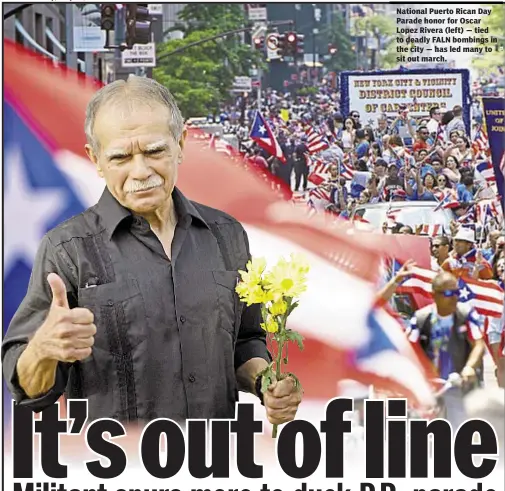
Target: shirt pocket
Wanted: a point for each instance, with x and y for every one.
(120, 315)
(229, 303)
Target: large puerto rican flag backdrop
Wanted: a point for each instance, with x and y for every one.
(48, 180)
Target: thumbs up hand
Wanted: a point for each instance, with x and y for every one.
(67, 334)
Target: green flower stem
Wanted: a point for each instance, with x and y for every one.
(281, 339)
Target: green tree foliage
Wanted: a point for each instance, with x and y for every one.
(383, 27)
(201, 76)
(345, 57)
(489, 62)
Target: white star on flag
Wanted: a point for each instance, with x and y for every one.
(28, 210)
(262, 130)
(464, 294)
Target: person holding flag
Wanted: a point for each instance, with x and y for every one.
(467, 260)
(450, 334)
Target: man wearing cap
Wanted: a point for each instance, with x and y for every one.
(450, 334)
(466, 260)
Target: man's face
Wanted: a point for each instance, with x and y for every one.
(380, 170)
(462, 247)
(446, 295)
(437, 166)
(437, 115)
(421, 155)
(136, 155)
(382, 124)
(438, 250)
(423, 134)
(393, 171)
(333, 171)
(355, 116)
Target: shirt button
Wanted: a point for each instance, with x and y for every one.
(191, 378)
(182, 319)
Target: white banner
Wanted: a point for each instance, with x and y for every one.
(373, 94)
(142, 55)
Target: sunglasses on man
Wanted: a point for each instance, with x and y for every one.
(448, 293)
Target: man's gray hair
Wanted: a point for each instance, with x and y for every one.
(139, 88)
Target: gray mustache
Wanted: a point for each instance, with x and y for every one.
(152, 182)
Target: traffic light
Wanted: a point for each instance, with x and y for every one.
(107, 16)
(300, 45)
(259, 43)
(281, 45)
(138, 24)
(290, 42)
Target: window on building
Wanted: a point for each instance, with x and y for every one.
(49, 43)
(39, 29)
(19, 38)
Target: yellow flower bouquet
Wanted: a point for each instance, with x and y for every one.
(277, 291)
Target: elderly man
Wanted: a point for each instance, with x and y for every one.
(132, 304)
(450, 333)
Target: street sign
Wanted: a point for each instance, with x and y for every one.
(140, 55)
(259, 31)
(272, 44)
(257, 13)
(242, 84)
(155, 8)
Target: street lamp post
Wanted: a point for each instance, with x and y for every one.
(315, 31)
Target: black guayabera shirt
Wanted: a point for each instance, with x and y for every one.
(170, 333)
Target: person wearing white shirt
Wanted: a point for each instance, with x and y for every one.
(434, 122)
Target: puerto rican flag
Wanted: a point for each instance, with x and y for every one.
(469, 217)
(48, 179)
(319, 199)
(392, 216)
(432, 230)
(488, 208)
(264, 137)
(486, 169)
(449, 202)
(219, 145)
(318, 169)
(480, 144)
(315, 141)
(486, 297)
(346, 169)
